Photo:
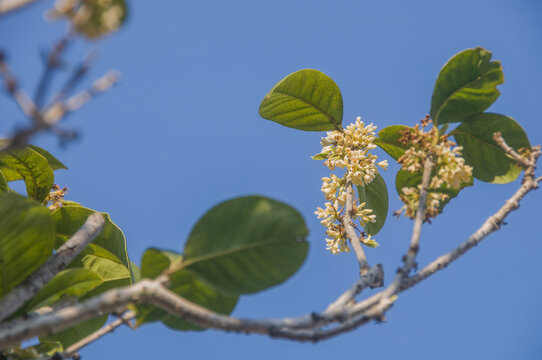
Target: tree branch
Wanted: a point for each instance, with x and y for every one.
(63, 256)
(351, 231)
(302, 329)
(388, 295)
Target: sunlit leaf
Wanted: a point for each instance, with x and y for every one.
(27, 236)
(388, 140)
(54, 163)
(466, 85)
(106, 255)
(70, 282)
(305, 100)
(70, 218)
(30, 166)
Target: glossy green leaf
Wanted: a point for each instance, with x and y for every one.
(106, 255)
(247, 244)
(30, 166)
(54, 163)
(466, 85)
(305, 100)
(70, 282)
(72, 335)
(70, 218)
(184, 283)
(490, 163)
(27, 236)
(408, 179)
(388, 140)
(375, 195)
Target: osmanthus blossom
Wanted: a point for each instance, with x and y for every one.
(349, 150)
(450, 171)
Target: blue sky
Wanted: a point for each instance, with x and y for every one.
(182, 132)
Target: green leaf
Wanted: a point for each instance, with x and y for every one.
(321, 156)
(106, 255)
(375, 195)
(184, 283)
(27, 236)
(70, 282)
(490, 163)
(466, 85)
(54, 163)
(408, 179)
(30, 166)
(70, 218)
(72, 335)
(3, 183)
(247, 244)
(306, 100)
(136, 272)
(388, 140)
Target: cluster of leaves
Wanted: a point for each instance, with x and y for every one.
(30, 233)
(466, 86)
(240, 246)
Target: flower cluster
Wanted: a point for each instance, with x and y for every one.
(347, 149)
(56, 197)
(450, 171)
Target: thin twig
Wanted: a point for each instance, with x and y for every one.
(351, 231)
(52, 62)
(63, 256)
(21, 98)
(372, 278)
(123, 319)
(510, 151)
(76, 76)
(389, 294)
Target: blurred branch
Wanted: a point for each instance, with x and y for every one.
(7, 6)
(52, 62)
(21, 98)
(63, 256)
(47, 118)
(76, 76)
